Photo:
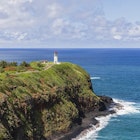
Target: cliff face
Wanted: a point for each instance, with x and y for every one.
(40, 104)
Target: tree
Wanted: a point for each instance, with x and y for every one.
(24, 64)
(3, 64)
(13, 64)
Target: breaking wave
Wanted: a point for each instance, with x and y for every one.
(95, 78)
(121, 107)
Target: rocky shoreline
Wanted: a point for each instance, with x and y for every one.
(56, 104)
(88, 121)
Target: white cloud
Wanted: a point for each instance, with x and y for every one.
(58, 26)
(117, 37)
(116, 34)
(67, 29)
(135, 31)
(12, 14)
(53, 10)
(18, 1)
(27, 20)
(14, 35)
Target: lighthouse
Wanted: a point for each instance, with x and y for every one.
(55, 58)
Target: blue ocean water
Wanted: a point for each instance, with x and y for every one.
(114, 72)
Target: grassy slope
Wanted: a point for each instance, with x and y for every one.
(44, 102)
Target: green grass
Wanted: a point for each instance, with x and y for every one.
(49, 80)
(50, 94)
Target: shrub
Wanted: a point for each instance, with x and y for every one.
(24, 64)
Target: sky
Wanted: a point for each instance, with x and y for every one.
(69, 23)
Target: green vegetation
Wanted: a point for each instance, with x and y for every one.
(43, 99)
(9, 68)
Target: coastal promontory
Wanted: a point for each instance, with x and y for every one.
(46, 102)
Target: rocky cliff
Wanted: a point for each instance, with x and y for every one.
(44, 104)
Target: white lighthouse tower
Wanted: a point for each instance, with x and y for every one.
(56, 58)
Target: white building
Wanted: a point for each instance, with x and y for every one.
(56, 58)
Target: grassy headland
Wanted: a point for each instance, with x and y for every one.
(38, 101)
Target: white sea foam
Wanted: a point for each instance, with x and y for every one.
(126, 107)
(95, 78)
(121, 108)
(93, 131)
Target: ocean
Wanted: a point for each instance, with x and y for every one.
(114, 72)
